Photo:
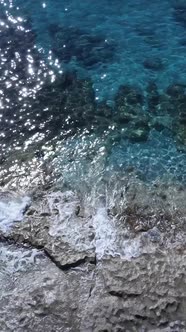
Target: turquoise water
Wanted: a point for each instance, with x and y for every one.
(130, 33)
(92, 89)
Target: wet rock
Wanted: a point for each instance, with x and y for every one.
(131, 299)
(12, 208)
(127, 95)
(42, 296)
(142, 294)
(67, 237)
(49, 228)
(146, 206)
(154, 234)
(97, 269)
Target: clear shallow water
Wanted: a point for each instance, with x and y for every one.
(134, 30)
(111, 43)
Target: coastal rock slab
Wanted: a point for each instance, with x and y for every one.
(68, 268)
(37, 296)
(56, 224)
(147, 293)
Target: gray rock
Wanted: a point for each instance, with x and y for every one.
(71, 267)
(138, 295)
(37, 296)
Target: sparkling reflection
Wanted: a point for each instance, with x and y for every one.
(47, 112)
(39, 111)
(23, 72)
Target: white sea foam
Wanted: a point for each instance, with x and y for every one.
(12, 209)
(65, 223)
(112, 238)
(105, 230)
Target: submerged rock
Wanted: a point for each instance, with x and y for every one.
(154, 64)
(153, 98)
(137, 135)
(130, 116)
(128, 96)
(177, 91)
(168, 111)
(86, 48)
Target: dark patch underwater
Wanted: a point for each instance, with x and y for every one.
(50, 95)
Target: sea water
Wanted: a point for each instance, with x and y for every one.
(110, 43)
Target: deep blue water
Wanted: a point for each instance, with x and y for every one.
(111, 43)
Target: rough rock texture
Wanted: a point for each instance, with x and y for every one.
(37, 296)
(145, 294)
(54, 226)
(66, 266)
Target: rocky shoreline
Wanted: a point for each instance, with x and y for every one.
(92, 198)
(69, 266)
